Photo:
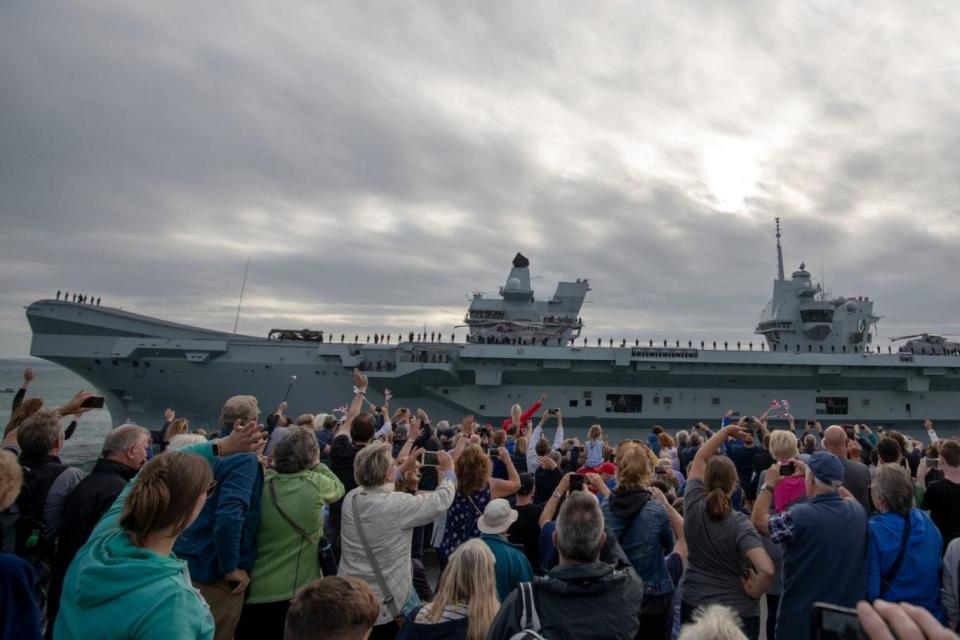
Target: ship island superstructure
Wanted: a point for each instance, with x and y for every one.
(818, 352)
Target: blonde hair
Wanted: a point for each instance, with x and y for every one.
(11, 477)
(715, 622)
(783, 445)
(520, 446)
(595, 432)
(371, 464)
(473, 469)
(515, 412)
(184, 440)
(633, 468)
(469, 579)
(178, 427)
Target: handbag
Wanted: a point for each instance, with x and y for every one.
(388, 600)
(328, 562)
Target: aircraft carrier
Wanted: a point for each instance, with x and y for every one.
(817, 352)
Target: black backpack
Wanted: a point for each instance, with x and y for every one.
(30, 521)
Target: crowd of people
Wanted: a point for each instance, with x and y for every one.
(317, 527)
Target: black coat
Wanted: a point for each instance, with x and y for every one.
(87, 503)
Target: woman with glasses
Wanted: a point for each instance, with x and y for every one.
(126, 582)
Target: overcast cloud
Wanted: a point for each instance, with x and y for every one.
(378, 160)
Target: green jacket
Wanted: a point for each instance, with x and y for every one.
(116, 590)
(512, 566)
(285, 560)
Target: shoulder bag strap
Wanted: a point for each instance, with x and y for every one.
(388, 598)
(273, 499)
(529, 621)
(888, 577)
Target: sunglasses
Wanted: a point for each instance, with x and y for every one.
(212, 488)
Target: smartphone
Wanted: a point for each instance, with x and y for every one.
(493, 452)
(830, 622)
(430, 458)
(787, 469)
(576, 482)
(933, 463)
(93, 402)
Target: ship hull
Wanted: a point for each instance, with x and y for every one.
(143, 365)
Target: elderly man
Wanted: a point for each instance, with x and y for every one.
(512, 566)
(124, 452)
(824, 555)
(220, 546)
(582, 597)
(856, 475)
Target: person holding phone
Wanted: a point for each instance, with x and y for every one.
(824, 556)
(727, 562)
(476, 487)
(377, 528)
(642, 527)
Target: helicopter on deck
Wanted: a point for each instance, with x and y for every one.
(928, 344)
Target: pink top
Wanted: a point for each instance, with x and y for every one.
(787, 491)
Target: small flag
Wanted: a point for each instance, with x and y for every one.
(779, 409)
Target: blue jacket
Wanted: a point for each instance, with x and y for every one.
(643, 528)
(918, 579)
(512, 566)
(224, 535)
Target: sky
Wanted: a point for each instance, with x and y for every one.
(377, 162)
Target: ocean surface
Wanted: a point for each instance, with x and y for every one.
(56, 386)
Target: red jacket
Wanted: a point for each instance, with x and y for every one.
(526, 415)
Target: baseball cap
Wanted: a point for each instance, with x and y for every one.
(826, 467)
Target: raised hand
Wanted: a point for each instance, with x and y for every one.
(169, 415)
(243, 438)
(28, 376)
(444, 461)
(360, 380)
(75, 403)
(547, 462)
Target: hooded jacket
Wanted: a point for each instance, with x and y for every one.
(918, 578)
(642, 527)
(116, 590)
(580, 601)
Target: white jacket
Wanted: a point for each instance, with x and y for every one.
(388, 518)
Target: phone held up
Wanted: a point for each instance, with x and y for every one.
(787, 469)
(93, 402)
(429, 458)
(576, 482)
(830, 622)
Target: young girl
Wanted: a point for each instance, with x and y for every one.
(594, 448)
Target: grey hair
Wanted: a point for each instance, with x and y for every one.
(682, 439)
(715, 622)
(296, 450)
(372, 463)
(121, 439)
(892, 486)
(829, 486)
(184, 440)
(580, 528)
(40, 433)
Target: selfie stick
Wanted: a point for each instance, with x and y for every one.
(289, 386)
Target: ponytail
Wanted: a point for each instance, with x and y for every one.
(165, 494)
(718, 504)
(719, 479)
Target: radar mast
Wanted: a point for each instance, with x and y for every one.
(779, 253)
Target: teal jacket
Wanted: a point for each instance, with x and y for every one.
(512, 566)
(114, 590)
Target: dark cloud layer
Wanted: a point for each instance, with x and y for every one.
(376, 162)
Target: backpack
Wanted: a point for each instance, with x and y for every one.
(529, 620)
(30, 504)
